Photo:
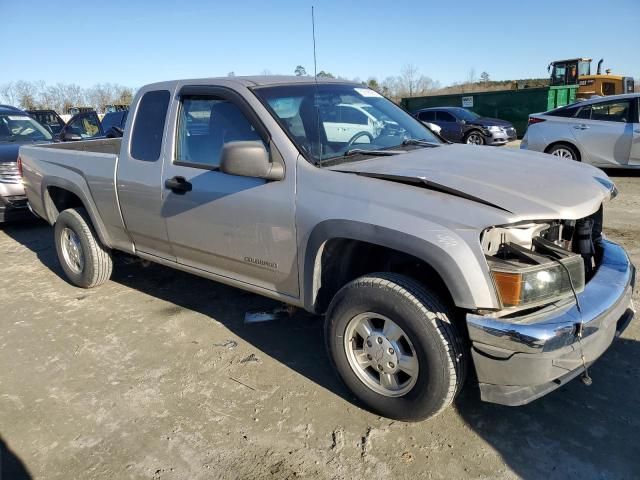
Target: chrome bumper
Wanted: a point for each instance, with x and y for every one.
(520, 359)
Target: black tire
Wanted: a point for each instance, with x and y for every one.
(477, 133)
(427, 323)
(97, 264)
(565, 151)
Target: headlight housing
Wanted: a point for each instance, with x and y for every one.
(494, 129)
(527, 279)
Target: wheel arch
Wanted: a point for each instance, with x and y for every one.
(59, 194)
(332, 254)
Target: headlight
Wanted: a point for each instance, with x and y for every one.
(519, 284)
(494, 128)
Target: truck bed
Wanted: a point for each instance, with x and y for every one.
(88, 168)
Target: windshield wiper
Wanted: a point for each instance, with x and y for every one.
(421, 143)
(357, 151)
(362, 151)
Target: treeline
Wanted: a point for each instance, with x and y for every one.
(61, 96)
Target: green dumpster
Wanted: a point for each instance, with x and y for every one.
(514, 106)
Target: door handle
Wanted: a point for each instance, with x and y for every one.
(178, 185)
(581, 127)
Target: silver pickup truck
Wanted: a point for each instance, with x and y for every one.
(426, 258)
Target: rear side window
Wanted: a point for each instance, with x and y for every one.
(146, 138)
(564, 112)
(427, 116)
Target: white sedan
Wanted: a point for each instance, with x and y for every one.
(603, 131)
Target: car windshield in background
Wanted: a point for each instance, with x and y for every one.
(466, 115)
(329, 120)
(19, 128)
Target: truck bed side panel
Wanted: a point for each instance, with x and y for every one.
(86, 169)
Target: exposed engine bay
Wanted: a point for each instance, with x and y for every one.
(536, 263)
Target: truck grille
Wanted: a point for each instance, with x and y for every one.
(9, 173)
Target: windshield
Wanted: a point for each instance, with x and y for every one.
(466, 115)
(328, 120)
(19, 128)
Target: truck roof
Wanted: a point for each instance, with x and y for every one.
(262, 80)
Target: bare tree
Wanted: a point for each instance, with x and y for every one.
(8, 93)
(27, 95)
(408, 78)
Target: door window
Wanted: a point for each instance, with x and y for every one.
(610, 111)
(444, 117)
(585, 113)
(205, 125)
(87, 126)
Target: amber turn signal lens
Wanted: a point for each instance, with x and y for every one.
(509, 287)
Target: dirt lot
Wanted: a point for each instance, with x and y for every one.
(155, 375)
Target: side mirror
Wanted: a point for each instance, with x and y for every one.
(462, 122)
(67, 136)
(249, 159)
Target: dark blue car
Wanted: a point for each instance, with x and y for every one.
(16, 128)
(464, 126)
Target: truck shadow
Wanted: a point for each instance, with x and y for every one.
(11, 467)
(574, 432)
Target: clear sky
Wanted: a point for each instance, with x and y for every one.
(134, 42)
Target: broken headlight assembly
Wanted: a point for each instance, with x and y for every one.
(526, 278)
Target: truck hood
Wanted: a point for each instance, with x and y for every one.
(528, 185)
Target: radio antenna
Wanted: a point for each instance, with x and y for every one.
(316, 101)
(313, 28)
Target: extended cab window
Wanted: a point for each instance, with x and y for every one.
(148, 126)
(205, 124)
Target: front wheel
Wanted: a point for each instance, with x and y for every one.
(474, 138)
(395, 347)
(85, 261)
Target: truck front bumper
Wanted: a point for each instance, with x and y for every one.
(523, 358)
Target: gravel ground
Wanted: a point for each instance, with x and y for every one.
(154, 375)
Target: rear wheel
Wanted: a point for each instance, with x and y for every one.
(474, 138)
(564, 151)
(393, 344)
(85, 261)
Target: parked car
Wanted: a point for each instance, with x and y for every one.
(424, 256)
(602, 131)
(85, 125)
(49, 119)
(464, 126)
(113, 123)
(16, 129)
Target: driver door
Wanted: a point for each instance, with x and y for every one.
(241, 228)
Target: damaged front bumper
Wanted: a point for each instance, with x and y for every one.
(523, 358)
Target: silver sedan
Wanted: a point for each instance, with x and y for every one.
(603, 131)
